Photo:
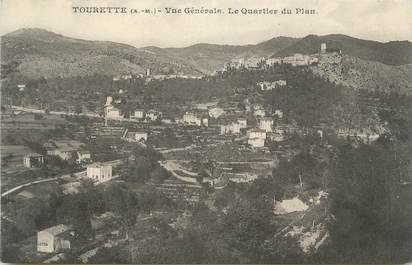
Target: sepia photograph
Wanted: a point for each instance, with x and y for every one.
(206, 132)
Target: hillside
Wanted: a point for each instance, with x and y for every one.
(391, 53)
(37, 52)
(42, 53)
(363, 74)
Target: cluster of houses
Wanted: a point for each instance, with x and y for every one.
(256, 135)
(67, 149)
(196, 119)
(300, 60)
(265, 126)
(111, 112)
(233, 127)
(234, 122)
(150, 115)
(268, 86)
(62, 148)
(296, 59)
(149, 76)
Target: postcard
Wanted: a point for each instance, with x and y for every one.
(204, 131)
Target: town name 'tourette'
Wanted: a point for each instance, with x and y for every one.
(193, 10)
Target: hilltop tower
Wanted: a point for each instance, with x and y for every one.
(323, 48)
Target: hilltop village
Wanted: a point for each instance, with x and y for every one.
(108, 169)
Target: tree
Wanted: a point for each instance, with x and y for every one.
(365, 201)
(247, 225)
(159, 174)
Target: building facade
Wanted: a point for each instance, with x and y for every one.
(83, 156)
(266, 124)
(53, 239)
(140, 136)
(99, 172)
(232, 128)
(33, 160)
(138, 114)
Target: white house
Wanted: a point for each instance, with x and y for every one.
(53, 239)
(33, 160)
(266, 124)
(191, 118)
(140, 136)
(83, 156)
(138, 114)
(265, 85)
(99, 172)
(256, 133)
(323, 47)
(256, 137)
(111, 112)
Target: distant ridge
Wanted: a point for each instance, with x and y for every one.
(38, 52)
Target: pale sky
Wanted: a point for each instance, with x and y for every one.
(381, 20)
